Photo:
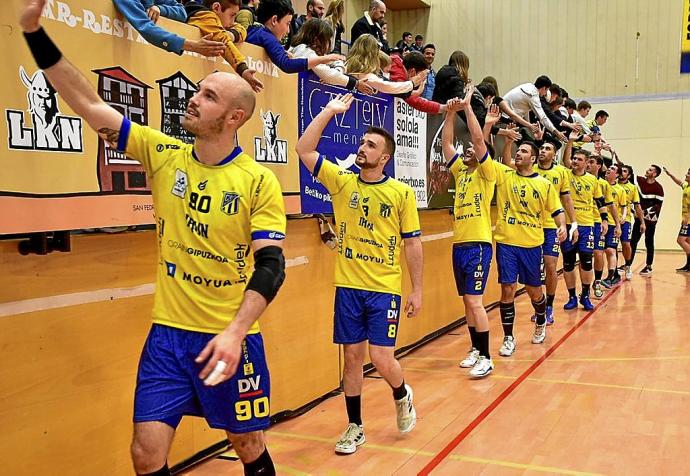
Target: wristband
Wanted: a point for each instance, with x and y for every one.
(604, 217)
(42, 48)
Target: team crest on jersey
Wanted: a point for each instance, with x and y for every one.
(49, 129)
(354, 200)
(385, 210)
(269, 148)
(181, 183)
(230, 204)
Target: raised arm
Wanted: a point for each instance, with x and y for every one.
(306, 145)
(448, 134)
(473, 125)
(508, 111)
(568, 151)
(72, 86)
(673, 177)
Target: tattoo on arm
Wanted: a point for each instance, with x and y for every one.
(111, 136)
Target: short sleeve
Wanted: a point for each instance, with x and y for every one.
(565, 181)
(330, 175)
(455, 165)
(635, 196)
(487, 167)
(409, 216)
(501, 171)
(145, 145)
(553, 203)
(267, 220)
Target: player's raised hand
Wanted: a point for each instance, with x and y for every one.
(340, 103)
(31, 15)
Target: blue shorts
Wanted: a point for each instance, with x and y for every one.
(599, 240)
(585, 241)
(471, 263)
(626, 232)
(551, 245)
(518, 265)
(168, 383)
(365, 315)
(684, 230)
(611, 240)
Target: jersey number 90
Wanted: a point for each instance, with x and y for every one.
(248, 409)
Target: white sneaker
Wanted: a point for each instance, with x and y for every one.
(508, 346)
(471, 359)
(482, 368)
(598, 290)
(539, 334)
(407, 416)
(628, 273)
(351, 439)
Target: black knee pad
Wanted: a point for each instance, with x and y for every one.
(586, 261)
(569, 260)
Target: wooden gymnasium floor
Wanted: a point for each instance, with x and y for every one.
(608, 393)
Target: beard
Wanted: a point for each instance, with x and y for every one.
(363, 163)
(200, 128)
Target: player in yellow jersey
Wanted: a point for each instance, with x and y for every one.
(586, 192)
(374, 214)
(560, 177)
(524, 199)
(620, 202)
(213, 205)
(626, 175)
(684, 233)
(475, 180)
(602, 222)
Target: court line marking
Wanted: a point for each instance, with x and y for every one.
(463, 458)
(600, 385)
(445, 452)
(47, 303)
(574, 359)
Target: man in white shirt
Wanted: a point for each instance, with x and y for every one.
(525, 98)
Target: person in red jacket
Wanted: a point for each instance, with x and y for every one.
(403, 70)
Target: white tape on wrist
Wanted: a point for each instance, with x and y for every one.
(216, 374)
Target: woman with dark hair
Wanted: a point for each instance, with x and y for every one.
(451, 81)
(313, 40)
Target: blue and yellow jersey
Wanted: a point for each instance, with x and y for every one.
(585, 190)
(372, 219)
(606, 192)
(633, 199)
(207, 217)
(686, 200)
(522, 203)
(473, 194)
(560, 177)
(620, 199)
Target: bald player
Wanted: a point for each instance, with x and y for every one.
(215, 199)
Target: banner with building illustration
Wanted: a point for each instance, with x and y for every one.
(340, 140)
(58, 174)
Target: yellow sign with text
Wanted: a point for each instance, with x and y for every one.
(685, 39)
(58, 174)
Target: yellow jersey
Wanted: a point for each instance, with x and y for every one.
(605, 189)
(585, 190)
(372, 219)
(522, 203)
(633, 199)
(620, 199)
(473, 194)
(686, 201)
(207, 217)
(560, 177)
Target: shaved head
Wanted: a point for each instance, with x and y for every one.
(237, 91)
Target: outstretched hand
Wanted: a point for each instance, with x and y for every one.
(340, 103)
(31, 15)
(248, 76)
(493, 115)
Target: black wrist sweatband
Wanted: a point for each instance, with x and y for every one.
(604, 217)
(44, 51)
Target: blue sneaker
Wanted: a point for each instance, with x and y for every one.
(586, 303)
(571, 304)
(549, 315)
(607, 283)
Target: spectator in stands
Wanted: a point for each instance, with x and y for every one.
(314, 39)
(525, 98)
(418, 43)
(334, 16)
(363, 63)
(599, 120)
(369, 23)
(580, 114)
(404, 69)
(405, 43)
(315, 9)
(451, 81)
(505, 108)
(429, 52)
(247, 14)
(273, 23)
(143, 15)
(385, 47)
(551, 104)
(216, 18)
